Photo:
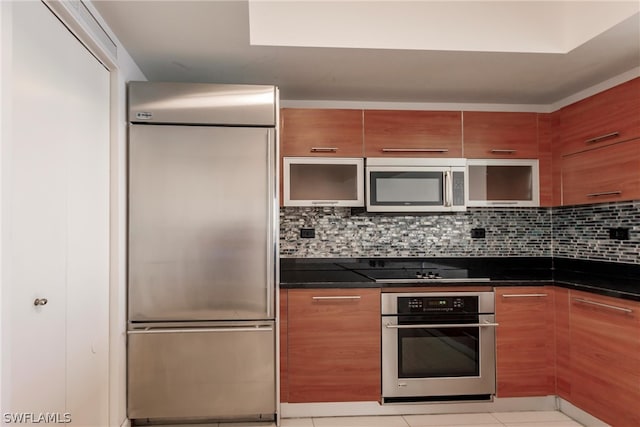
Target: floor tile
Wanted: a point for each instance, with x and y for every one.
(382, 421)
(451, 420)
(530, 417)
(296, 422)
(566, 423)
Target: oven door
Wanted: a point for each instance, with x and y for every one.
(450, 359)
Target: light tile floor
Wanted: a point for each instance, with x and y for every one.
(494, 419)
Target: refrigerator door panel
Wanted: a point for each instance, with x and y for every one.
(201, 223)
(216, 372)
(202, 103)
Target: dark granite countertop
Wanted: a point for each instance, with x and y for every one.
(606, 278)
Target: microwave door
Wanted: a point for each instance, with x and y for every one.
(407, 190)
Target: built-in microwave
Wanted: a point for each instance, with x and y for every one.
(415, 184)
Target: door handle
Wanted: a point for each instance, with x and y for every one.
(40, 301)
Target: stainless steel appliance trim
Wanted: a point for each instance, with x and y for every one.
(523, 295)
(425, 280)
(602, 137)
(448, 189)
(337, 297)
(486, 299)
(605, 193)
(271, 224)
(444, 326)
(603, 305)
(503, 151)
(415, 150)
(199, 330)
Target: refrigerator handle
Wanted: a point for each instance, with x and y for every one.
(194, 330)
(271, 225)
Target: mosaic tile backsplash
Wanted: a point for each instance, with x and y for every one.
(580, 232)
(509, 232)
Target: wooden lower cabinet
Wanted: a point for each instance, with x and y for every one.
(284, 345)
(605, 357)
(333, 345)
(562, 343)
(524, 341)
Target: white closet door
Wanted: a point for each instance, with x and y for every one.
(58, 221)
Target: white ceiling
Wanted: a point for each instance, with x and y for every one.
(209, 41)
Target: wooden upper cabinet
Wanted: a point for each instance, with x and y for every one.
(605, 118)
(606, 174)
(500, 135)
(400, 133)
(320, 132)
(525, 341)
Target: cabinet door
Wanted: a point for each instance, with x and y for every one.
(605, 357)
(524, 340)
(500, 135)
(334, 345)
(412, 133)
(610, 173)
(562, 342)
(56, 203)
(319, 132)
(284, 346)
(605, 118)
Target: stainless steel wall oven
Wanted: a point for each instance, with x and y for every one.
(438, 346)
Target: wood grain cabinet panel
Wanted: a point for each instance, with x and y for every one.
(500, 135)
(320, 132)
(608, 117)
(605, 357)
(562, 343)
(334, 345)
(284, 345)
(525, 341)
(402, 133)
(610, 173)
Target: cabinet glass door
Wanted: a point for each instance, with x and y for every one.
(502, 182)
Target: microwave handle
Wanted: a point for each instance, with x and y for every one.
(448, 189)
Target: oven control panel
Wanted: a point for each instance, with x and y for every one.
(435, 304)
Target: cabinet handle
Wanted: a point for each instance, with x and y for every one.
(338, 297)
(415, 150)
(324, 202)
(503, 151)
(524, 295)
(40, 301)
(599, 304)
(605, 193)
(324, 149)
(602, 137)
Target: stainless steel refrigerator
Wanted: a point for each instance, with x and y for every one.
(201, 251)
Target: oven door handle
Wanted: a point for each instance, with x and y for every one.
(444, 325)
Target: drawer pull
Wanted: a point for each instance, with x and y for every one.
(324, 149)
(337, 297)
(503, 151)
(602, 137)
(415, 150)
(444, 326)
(599, 304)
(524, 295)
(605, 193)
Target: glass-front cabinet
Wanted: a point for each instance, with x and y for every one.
(497, 182)
(323, 181)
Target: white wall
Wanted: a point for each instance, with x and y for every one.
(122, 69)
